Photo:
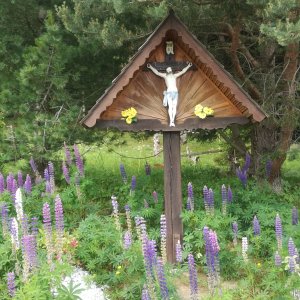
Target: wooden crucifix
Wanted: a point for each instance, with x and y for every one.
(171, 143)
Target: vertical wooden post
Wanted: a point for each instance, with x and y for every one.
(173, 194)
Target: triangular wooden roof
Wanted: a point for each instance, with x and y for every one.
(211, 82)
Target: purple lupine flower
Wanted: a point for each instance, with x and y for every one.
(48, 231)
(162, 280)
(242, 176)
(277, 259)
(127, 240)
(46, 174)
(4, 219)
(48, 187)
(224, 199)
(145, 294)
(256, 226)
(146, 204)
(9, 182)
(51, 176)
(128, 218)
(235, 232)
(294, 216)
(34, 226)
(14, 188)
(78, 161)
(155, 197)
(33, 165)
(29, 250)
(178, 252)
(247, 163)
(115, 206)
(292, 264)
(66, 172)
(291, 247)
(14, 232)
(67, 155)
(133, 183)
(211, 201)
(193, 277)
(20, 179)
(278, 231)
(59, 225)
(25, 225)
(11, 285)
(229, 195)
(190, 196)
(2, 184)
(163, 237)
(123, 173)
(27, 184)
(188, 204)
(205, 197)
(268, 168)
(147, 169)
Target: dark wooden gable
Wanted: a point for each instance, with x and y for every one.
(208, 84)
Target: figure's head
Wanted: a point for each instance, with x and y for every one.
(169, 70)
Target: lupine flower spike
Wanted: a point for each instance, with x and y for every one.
(178, 252)
(115, 206)
(162, 280)
(51, 176)
(78, 161)
(66, 172)
(133, 185)
(48, 232)
(127, 240)
(29, 255)
(11, 285)
(294, 216)
(14, 233)
(128, 218)
(2, 184)
(155, 197)
(147, 169)
(163, 236)
(145, 294)
(193, 277)
(278, 231)
(4, 219)
(191, 196)
(211, 205)
(27, 184)
(68, 157)
(245, 249)
(277, 259)
(256, 226)
(59, 226)
(123, 173)
(224, 199)
(205, 198)
(235, 233)
(20, 179)
(19, 204)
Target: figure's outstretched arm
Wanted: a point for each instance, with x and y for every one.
(183, 70)
(163, 75)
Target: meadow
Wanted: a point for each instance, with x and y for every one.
(240, 239)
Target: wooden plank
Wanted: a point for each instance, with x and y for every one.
(172, 192)
(188, 124)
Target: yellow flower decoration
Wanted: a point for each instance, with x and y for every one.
(129, 115)
(203, 112)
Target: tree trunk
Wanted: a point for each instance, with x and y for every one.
(289, 119)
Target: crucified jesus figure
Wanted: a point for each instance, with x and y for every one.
(171, 94)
